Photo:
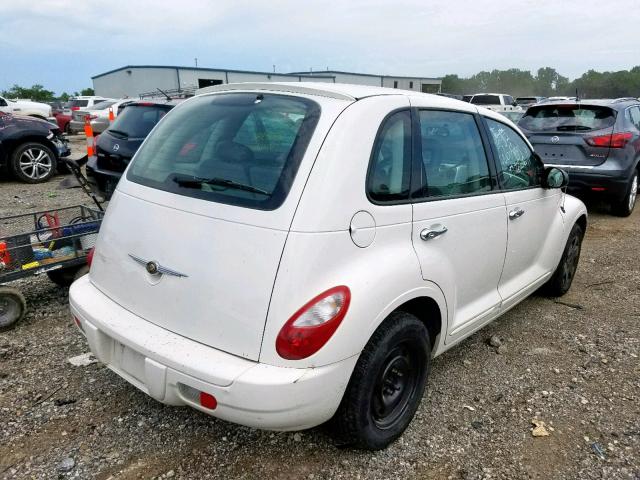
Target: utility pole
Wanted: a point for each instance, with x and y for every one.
(196, 60)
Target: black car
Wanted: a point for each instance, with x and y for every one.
(30, 148)
(117, 145)
(596, 141)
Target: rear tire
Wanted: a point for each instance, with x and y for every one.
(624, 207)
(13, 306)
(561, 280)
(386, 385)
(33, 162)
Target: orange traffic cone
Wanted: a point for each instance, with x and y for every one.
(112, 117)
(88, 131)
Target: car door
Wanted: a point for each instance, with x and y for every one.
(534, 218)
(459, 228)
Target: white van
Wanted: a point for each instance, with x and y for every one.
(279, 255)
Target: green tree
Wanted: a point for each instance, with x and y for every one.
(36, 93)
(87, 91)
(64, 96)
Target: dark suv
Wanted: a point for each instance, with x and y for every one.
(116, 146)
(596, 141)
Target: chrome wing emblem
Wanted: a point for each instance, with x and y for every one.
(154, 268)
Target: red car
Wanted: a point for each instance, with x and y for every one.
(63, 121)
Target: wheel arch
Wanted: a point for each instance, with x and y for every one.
(14, 143)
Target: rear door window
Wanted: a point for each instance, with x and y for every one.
(454, 161)
(236, 148)
(567, 118)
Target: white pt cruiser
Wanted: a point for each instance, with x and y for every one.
(282, 255)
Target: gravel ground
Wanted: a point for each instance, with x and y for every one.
(572, 363)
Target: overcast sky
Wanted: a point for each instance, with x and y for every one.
(62, 43)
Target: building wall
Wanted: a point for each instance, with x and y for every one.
(371, 80)
(123, 84)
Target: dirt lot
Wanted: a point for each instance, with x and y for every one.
(572, 363)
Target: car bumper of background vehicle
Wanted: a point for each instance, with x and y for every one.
(609, 183)
(173, 369)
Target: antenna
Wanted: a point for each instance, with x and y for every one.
(196, 60)
(165, 94)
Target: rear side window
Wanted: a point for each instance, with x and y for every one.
(454, 162)
(486, 100)
(634, 116)
(235, 148)
(389, 171)
(518, 167)
(567, 118)
(136, 121)
(508, 100)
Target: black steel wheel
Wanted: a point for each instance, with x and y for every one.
(386, 385)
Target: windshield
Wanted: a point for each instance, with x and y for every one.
(236, 148)
(485, 100)
(136, 121)
(545, 118)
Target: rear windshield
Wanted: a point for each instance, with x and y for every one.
(236, 148)
(571, 118)
(103, 105)
(486, 100)
(136, 121)
(78, 103)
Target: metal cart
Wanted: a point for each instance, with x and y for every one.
(54, 242)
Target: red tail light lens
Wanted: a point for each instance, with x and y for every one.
(615, 140)
(90, 256)
(75, 108)
(312, 326)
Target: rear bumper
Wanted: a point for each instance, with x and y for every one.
(597, 180)
(169, 367)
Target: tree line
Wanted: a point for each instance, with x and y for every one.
(547, 82)
(38, 93)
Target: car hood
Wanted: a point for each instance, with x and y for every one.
(19, 121)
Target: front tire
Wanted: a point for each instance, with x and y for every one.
(386, 385)
(13, 306)
(561, 280)
(33, 162)
(624, 207)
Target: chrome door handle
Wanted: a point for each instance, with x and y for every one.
(517, 213)
(433, 232)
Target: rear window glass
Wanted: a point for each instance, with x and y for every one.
(78, 103)
(136, 121)
(467, 98)
(236, 148)
(103, 105)
(486, 100)
(571, 118)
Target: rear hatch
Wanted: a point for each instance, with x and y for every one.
(564, 134)
(197, 200)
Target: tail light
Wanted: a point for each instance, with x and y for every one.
(90, 256)
(75, 108)
(615, 140)
(312, 326)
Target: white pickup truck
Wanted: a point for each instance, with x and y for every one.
(25, 107)
(498, 102)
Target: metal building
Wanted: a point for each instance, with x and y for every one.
(144, 80)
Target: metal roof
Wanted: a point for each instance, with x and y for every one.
(321, 72)
(177, 67)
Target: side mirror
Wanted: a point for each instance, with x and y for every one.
(514, 104)
(555, 178)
